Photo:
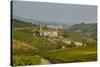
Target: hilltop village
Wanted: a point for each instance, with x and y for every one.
(54, 34)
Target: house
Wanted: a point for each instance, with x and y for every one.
(52, 31)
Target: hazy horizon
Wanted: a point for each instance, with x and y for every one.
(54, 12)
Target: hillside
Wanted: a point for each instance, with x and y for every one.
(90, 28)
(75, 54)
(20, 23)
(35, 49)
(25, 46)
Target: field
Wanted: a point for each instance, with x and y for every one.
(25, 59)
(30, 49)
(75, 54)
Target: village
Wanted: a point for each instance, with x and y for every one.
(43, 43)
(54, 34)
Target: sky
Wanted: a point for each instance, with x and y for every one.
(55, 13)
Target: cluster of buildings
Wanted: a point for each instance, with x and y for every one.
(50, 30)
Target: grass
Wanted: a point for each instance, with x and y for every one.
(75, 54)
(35, 41)
(21, 60)
(19, 23)
(20, 48)
(74, 36)
(23, 54)
(27, 47)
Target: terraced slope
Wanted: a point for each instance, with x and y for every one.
(75, 54)
(29, 49)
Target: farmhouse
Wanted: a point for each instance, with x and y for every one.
(52, 31)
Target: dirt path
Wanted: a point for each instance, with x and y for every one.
(22, 28)
(44, 61)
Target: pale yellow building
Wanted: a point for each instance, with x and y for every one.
(49, 31)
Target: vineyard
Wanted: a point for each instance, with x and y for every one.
(75, 54)
(25, 59)
(29, 49)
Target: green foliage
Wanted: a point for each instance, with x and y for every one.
(19, 23)
(89, 29)
(24, 55)
(21, 60)
(75, 36)
(38, 42)
(75, 54)
(20, 48)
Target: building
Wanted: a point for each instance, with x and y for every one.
(52, 31)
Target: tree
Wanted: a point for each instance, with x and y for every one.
(82, 23)
(37, 33)
(72, 44)
(84, 42)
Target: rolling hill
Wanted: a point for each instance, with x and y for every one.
(90, 28)
(28, 49)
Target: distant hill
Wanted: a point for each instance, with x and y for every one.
(37, 22)
(21, 23)
(90, 28)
